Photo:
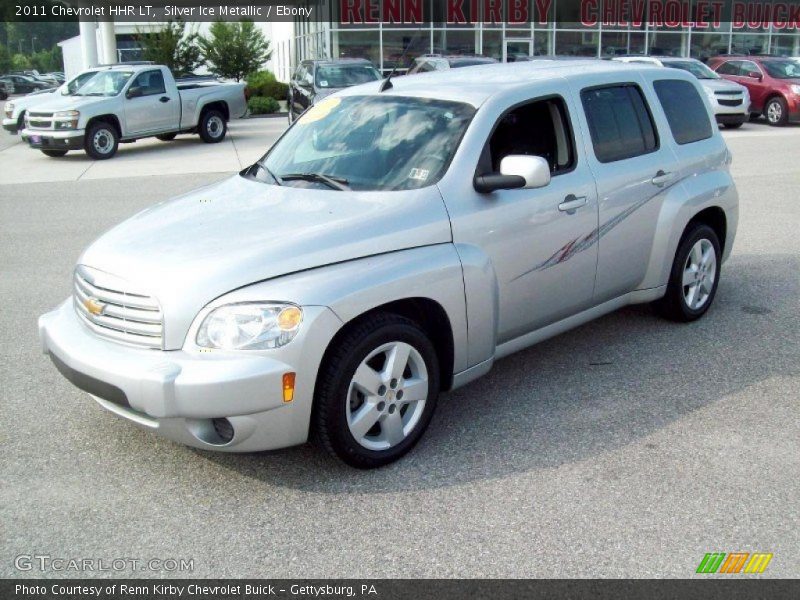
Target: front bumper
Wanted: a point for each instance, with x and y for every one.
(179, 393)
(732, 119)
(44, 139)
(10, 125)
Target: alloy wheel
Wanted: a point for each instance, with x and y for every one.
(387, 396)
(774, 112)
(699, 274)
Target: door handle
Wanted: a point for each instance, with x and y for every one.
(571, 203)
(661, 178)
(164, 99)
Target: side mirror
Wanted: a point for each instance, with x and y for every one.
(516, 171)
(755, 75)
(134, 92)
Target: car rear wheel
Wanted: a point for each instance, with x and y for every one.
(212, 127)
(54, 153)
(376, 391)
(101, 141)
(777, 112)
(694, 276)
(166, 137)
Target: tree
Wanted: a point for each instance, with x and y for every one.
(20, 62)
(234, 50)
(171, 46)
(5, 59)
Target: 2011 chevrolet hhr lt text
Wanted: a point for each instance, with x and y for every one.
(397, 240)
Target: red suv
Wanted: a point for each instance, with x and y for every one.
(773, 83)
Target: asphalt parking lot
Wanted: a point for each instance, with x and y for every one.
(629, 447)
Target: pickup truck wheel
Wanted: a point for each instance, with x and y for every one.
(212, 127)
(376, 391)
(101, 141)
(694, 276)
(777, 112)
(54, 153)
(166, 137)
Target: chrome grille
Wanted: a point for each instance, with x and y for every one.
(39, 120)
(121, 314)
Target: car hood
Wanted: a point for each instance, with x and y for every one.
(190, 250)
(70, 102)
(722, 85)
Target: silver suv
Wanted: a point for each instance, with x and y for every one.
(392, 245)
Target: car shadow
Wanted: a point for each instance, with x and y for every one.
(603, 386)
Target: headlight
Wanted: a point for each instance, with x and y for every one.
(255, 326)
(710, 94)
(66, 119)
(9, 109)
(795, 88)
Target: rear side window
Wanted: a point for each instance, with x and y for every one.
(686, 114)
(619, 122)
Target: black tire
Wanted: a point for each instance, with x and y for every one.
(54, 153)
(212, 126)
(778, 105)
(166, 137)
(673, 305)
(733, 125)
(329, 427)
(102, 141)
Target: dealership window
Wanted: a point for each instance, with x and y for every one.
(401, 47)
(625, 42)
(705, 45)
(666, 44)
(620, 124)
(577, 43)
(686, 114)
(539, 128)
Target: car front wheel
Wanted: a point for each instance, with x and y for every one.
(694, 275)
(376, 391)
(101, 141)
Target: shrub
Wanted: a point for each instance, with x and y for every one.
(263, 83)
(262, 105)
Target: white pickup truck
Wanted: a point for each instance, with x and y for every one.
(126, 102)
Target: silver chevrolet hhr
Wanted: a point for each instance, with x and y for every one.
(396, 241)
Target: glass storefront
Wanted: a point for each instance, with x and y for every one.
(384, 43)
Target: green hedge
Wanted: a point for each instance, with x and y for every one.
(262, 105)
(263, 83)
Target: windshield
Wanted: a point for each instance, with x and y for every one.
(697, 69)
(104, 83)
(371, 142)
(340, 76)
(76, 83)
(782, 69)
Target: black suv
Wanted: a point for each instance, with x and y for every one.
(436, 62)
(315, 79)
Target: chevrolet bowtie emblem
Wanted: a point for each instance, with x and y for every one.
(94, 306)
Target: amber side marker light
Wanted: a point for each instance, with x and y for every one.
(288, 387)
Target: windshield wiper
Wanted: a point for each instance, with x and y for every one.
(336, 183)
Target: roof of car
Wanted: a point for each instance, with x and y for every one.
(475, 85)
(339, 61)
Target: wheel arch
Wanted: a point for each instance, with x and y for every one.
(109, 118)
(425, 312)
(219, 105)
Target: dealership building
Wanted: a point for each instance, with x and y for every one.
(381, 30)
(371, 29)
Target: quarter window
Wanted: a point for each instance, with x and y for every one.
(686, 114)
(619, 122)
